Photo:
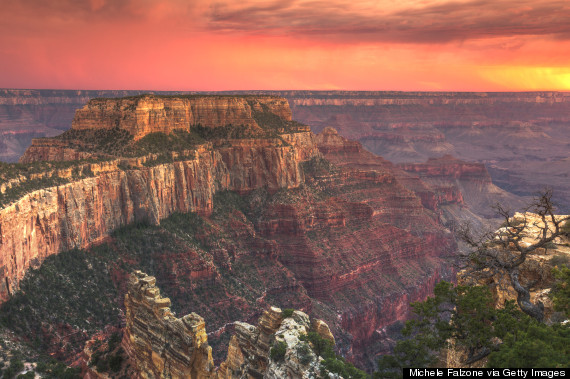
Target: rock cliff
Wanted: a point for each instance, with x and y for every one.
(146, 114)
(456, 181)
(521, 137)
(84, 211)
(159, 345)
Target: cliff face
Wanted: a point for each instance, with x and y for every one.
(147, 114)
(159, 345)
(352, 241)
(29, 114)
(82, 212)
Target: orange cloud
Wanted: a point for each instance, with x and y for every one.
(290, 44)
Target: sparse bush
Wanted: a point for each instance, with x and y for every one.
(561, 290)
(288, 312)
(278, 351)
(305, 356)
(116, 361)
(317, 166)
(560, 260)
(332, 363)
(15, 367)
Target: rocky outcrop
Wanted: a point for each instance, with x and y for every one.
(50, 149)
(159, 345)
(521, 137)
(77, 214)
(146, 114)
(248, 351)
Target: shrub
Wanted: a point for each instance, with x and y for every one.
(305, 356)
(288, 312)
(15, 367)
(332, 363)
(278, 351)
(317, 166)
(116, 361)
(566, 228)
(560, 260)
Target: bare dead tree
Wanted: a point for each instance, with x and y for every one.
(501, 254)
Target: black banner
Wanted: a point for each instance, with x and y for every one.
(524, 373)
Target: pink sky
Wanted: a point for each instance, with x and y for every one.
(463, 45)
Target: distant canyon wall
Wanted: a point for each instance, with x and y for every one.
(27, 114)
(141, 115)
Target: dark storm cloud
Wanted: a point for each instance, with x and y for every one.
(436, 23)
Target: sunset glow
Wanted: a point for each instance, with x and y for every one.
(466, 45)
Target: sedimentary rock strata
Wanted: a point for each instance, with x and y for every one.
(146, 114)
(160, 345)
(82, 212)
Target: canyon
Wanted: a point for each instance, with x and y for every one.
(520, 137)
(232, 226)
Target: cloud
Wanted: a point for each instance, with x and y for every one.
(437, 22)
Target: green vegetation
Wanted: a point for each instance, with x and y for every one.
(318, 166)
(227, 132)
(278, 350)
(560, 260)
(561, 290)
(110, 358)
(178, 140)
(52, 369)
(110, 141)
(28, 177)
(538, 345)
(464, 317)
(305, 356)
(10, 171)
(228, 201)
(16, 365)
(27, 186)
(287, 312)
(73, 288)
(119, 142)
(332, 363)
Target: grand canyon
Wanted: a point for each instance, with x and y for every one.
(237, 203)
(284, 189)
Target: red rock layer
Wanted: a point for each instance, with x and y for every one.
(147, 114)
(359, 241)
(77, 214)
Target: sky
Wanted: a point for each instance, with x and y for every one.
(199, 45)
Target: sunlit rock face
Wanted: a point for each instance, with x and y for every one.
(146, 114)
(160, 345)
